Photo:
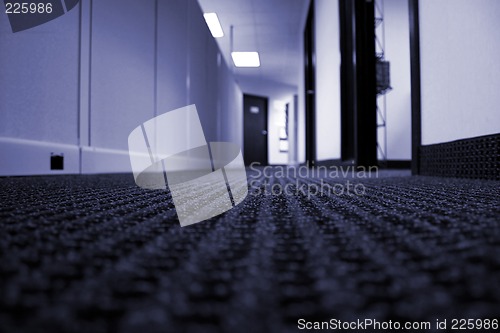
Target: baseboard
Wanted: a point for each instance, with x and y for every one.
(19, 157)
(389, 164)
(476, 157)
(334, 162)
(396, 164)
(103, 160)
(331, 162)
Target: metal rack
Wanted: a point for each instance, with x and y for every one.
(383, 82)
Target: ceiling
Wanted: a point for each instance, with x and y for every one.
(270, 27)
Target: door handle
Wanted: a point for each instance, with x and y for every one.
(264, 132)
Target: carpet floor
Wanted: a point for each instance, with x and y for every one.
(95, 253)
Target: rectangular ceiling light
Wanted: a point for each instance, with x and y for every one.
(214, 24)
(246, 59)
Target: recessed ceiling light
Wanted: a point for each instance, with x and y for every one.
(214, 24)
(246, 59)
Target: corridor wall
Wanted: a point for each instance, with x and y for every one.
(79, 84)
(460, 71)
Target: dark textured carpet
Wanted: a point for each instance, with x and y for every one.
(98, 254)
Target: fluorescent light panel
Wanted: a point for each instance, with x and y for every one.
(214, 24)
(246, 59)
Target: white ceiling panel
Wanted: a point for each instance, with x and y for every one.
(270, 27)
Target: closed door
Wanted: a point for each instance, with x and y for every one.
(255, 129)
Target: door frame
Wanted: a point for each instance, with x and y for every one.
(416, 107)
(310, 86)
(347, 81)
(358, 82)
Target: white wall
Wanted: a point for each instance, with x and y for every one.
(230, 106)
(122, 70)
(301, 117)
(172, 89)
(327, 80)
(398, 100)
(460, 71)
(134, 63)
(278, 95)
(202, 56)
(30, 108)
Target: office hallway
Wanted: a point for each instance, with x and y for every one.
(95, 253)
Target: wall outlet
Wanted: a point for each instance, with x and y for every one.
(56, 161)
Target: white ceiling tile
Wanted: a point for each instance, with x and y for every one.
(270, 27)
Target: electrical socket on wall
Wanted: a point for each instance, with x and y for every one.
(56, 161)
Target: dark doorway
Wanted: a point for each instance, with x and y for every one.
(310, 86)
(255, 129)
(358, 82)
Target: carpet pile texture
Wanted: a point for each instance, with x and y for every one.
(95, 253)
